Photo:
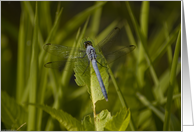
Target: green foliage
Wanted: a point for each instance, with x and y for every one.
(144, 87)
(120, 121)
(14, 115)
(69, 122)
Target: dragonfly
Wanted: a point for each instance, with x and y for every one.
(89, 53)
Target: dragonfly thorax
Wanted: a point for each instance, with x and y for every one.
(87, 43)
(90, 51)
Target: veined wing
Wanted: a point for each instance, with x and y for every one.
(113, 56)
(112, 49)
(107, 42)
(63, 51)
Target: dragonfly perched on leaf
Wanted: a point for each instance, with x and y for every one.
(90, 53)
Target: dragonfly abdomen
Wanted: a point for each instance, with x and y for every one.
(95, 66)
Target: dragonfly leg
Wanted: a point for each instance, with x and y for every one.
(83, 56)
(100, 64)
(86, 67)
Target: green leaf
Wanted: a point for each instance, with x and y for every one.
(88, 123)
(120, 121)
(69, 122)
(101, 119)
(13, 115)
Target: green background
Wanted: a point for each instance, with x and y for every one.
(144, 85)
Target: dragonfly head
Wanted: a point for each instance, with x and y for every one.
(86, 43)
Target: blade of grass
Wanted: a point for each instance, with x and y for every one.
(46, 25)
(27, 45)
(95, 24)
(129, 34)
(75, 22)
(33, 79)
(172, 81)
(28, 9)
(41, 96)
(150, 106)
(21, 60)
(144, 27)
(144, 18)
(169, 50)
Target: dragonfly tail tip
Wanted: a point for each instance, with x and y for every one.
(107, 99)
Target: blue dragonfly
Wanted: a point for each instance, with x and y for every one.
(89, 53)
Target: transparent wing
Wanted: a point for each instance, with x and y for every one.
(113, 56)
(55, 64)
(108, 42)
(63, 51)
(112, 48)
(61, 64)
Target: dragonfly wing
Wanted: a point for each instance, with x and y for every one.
(112, 47)
(61, 64)
(108, 42)
(63, 51)
(120, 52)
(55, 64)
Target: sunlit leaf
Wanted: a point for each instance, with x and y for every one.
(120, 121)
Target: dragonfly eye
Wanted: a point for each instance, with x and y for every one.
(87, 43)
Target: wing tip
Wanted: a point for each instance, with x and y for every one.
(45, 46)
(46, 65)
(117, 28)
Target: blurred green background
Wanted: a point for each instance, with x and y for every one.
(144, 84)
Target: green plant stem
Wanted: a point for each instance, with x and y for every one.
(169, 50)
(120, 95)
(33, 79)
(41, 96)
(148, 104)
(144, 28)
(21, 60)
(172, 81)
